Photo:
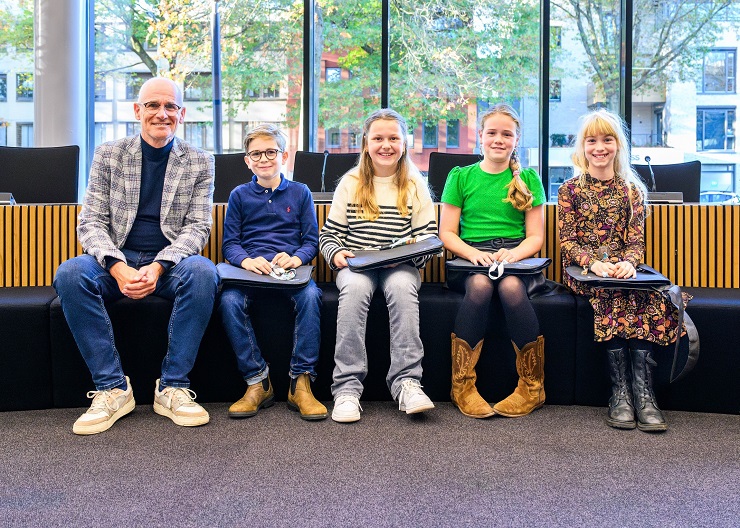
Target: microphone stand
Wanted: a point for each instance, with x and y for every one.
(323, 170)
(652, 174)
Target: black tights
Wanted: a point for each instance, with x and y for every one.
(472, 318)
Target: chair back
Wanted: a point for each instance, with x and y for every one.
(231, 171)
(440, 165)
(43, 175)
(313, 167)
(676, 177)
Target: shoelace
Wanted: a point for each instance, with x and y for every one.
(346, 398)
(101, 404)
(409, 388)
(183, 396)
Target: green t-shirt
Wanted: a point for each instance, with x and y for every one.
(480, 196)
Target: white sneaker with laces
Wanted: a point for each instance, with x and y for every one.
(178, 404)
(412, 399)
(346, 409)
(107, 407)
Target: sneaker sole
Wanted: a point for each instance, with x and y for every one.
(246, 414)
(417, 409)
(185, 421)
(104, 426)
(346, 419)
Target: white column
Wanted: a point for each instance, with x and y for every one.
(60, 34)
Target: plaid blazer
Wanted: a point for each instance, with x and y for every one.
(112, 200)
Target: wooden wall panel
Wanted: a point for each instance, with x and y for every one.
(694, 245)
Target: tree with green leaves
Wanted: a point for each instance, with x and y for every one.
(669, 36)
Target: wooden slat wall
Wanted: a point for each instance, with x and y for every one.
(694, 245)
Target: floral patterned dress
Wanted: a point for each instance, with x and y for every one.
(597, 216)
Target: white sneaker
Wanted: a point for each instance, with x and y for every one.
(178, 404)
(346, 409)
(412, 399)
(107, 407)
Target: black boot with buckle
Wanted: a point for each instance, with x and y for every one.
(621, 413)
(649, 417)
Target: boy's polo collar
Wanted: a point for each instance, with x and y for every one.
(258, 189)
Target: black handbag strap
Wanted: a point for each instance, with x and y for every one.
(674, 294)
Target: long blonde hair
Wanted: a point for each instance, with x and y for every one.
(603, 122)
(519, 194)
(367, 206)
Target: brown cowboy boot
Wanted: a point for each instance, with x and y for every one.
(258, 396)
(301, 399)
(464, 395)
(530, 391)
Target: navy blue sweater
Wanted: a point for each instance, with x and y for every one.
(261, 223)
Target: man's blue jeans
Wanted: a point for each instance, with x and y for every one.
(234, 311)
(84, 287)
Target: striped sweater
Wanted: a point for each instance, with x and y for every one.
(344, 230)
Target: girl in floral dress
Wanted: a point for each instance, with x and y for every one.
(601, 213)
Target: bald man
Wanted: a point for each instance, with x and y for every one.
(145, 217)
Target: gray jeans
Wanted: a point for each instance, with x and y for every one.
(400, 286)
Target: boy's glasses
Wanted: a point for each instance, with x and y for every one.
(270, 154)
(153, 107)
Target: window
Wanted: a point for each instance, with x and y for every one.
(133, 84)
(555, 90)
(24, 134)
(557, 176)
(715, 129)
(3, 87)
(199, 135)
(100, 89)
(333, 74)
(198, 87)
(133, 128)
(3, 134)
(354, 139)
(556, 37)
(333, 138)
(104, 132)
(718, 73)
(273, 92)
(453, 133)
(429, 136)
(24, 87)
(717, 177)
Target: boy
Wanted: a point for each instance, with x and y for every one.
(270, 222)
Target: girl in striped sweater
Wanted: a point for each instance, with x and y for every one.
(382, 199)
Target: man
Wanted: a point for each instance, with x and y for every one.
(145, 217)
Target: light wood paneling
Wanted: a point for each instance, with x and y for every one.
(693, 245)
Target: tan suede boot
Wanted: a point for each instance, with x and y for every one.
(258, 396)
(464, 395)
(530, 391)
(301, 399)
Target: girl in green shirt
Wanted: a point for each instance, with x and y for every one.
(493, 211)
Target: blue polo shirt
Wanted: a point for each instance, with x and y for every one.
(261, 223)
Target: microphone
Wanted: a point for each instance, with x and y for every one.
(652, 174)
(323, 170)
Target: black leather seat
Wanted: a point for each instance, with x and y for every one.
(440, 165)
(43, 175)
(313, 168)
(231, 171)
(676, 177)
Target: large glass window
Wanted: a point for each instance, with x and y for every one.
(3, 87)
(24, 86)
(718, 73)
(715, 129)
(348, 44)
(199, 135)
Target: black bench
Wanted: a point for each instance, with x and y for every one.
(40, 365)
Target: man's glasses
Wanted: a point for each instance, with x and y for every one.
(270, 154)
(154, 107)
